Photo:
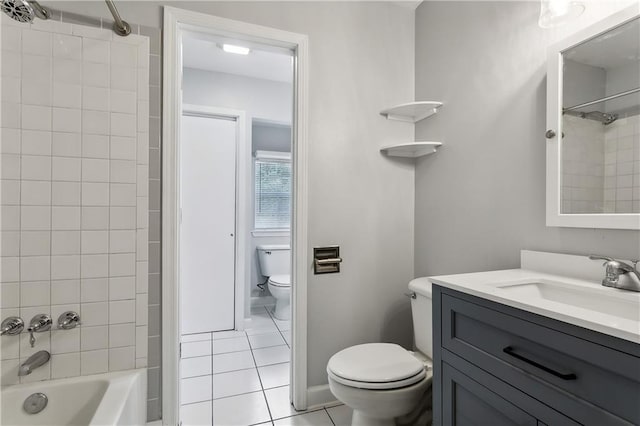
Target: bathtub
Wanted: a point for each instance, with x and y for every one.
(102, 399)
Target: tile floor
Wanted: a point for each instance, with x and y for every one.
(241, 378)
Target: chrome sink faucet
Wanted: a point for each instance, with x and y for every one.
(620, 274)
(36, 360)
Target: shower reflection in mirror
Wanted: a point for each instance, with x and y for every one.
(600, 148)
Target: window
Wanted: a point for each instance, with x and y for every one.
(272, 190)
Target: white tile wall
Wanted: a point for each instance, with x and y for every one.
(582, 165)
(601, 166)
(622, 166)
(74, 183)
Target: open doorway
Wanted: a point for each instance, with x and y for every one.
(235, 239)
(236, 233)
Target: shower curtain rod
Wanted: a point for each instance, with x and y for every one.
(122, 28)
(607, 98)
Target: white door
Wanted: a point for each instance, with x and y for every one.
(207, 232)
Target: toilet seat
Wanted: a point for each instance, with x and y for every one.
(280, 280)
(378, 385)
(381, 366)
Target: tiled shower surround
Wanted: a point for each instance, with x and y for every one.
(622, 166)
(80, 126)
(601, 166)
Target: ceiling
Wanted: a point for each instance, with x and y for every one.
(205, 53)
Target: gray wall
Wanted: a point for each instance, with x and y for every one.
(361, 61)
(620, 79)
(265, 137)
(481, 198)
(269, 100)
(582, 83)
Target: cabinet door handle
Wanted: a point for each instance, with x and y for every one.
(564, 376)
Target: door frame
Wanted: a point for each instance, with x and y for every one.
(242, 200)
(175, 21)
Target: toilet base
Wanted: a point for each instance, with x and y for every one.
(360, 419)
(282, 311)
(379, 407)
(282, 295)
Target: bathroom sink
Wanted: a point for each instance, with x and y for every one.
(561, 287)
(598, 299)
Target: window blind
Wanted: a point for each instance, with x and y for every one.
(272, 193)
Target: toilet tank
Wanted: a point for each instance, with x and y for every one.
(422, 313)
(274, 259)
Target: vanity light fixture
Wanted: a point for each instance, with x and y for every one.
(554, 13)
(239, 50)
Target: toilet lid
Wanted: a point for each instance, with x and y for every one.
(376, 366)
(280, 280)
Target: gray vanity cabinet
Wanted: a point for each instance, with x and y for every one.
(497, 365)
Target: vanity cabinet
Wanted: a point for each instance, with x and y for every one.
(495, 365)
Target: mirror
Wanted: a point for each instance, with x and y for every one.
(600, 151)
(593, 126)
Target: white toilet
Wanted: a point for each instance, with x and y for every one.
(382, 381)
(275, 263)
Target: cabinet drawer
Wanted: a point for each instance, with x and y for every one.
(473, 404)
(474, 397)
(547, 364)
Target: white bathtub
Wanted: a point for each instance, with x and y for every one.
(102, 399)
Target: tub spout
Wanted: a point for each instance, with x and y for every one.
(36, 360)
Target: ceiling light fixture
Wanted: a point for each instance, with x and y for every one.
(554, 13)
(238, 50)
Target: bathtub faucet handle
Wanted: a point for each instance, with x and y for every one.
(68, 320)
(11, 326)
(38, 324)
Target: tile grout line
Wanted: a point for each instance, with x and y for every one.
(50, 209)
(212, 339)
(212, 370)
(264, 395)
(278, 329)
(329, 415)
(20, 209)
(109, 319)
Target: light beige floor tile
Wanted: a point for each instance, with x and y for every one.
(316, 418)
(341, 415)
(241, 410)
(235, 383)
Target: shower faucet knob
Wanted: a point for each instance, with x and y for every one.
(68, 320)
(11, 326)
(40, 323)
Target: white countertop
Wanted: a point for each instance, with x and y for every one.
(580, 302)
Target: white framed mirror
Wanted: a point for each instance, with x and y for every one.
(593, 126)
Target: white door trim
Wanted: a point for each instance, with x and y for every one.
(175, 20)
(242, 226)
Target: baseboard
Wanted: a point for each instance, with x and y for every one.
(259, 301)
(320, 396)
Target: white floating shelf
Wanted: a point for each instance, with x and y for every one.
(411, 112)
(411, 149)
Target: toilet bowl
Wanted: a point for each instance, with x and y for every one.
(383, 381)
(280, 288)
(379, 381)
(275, 263)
